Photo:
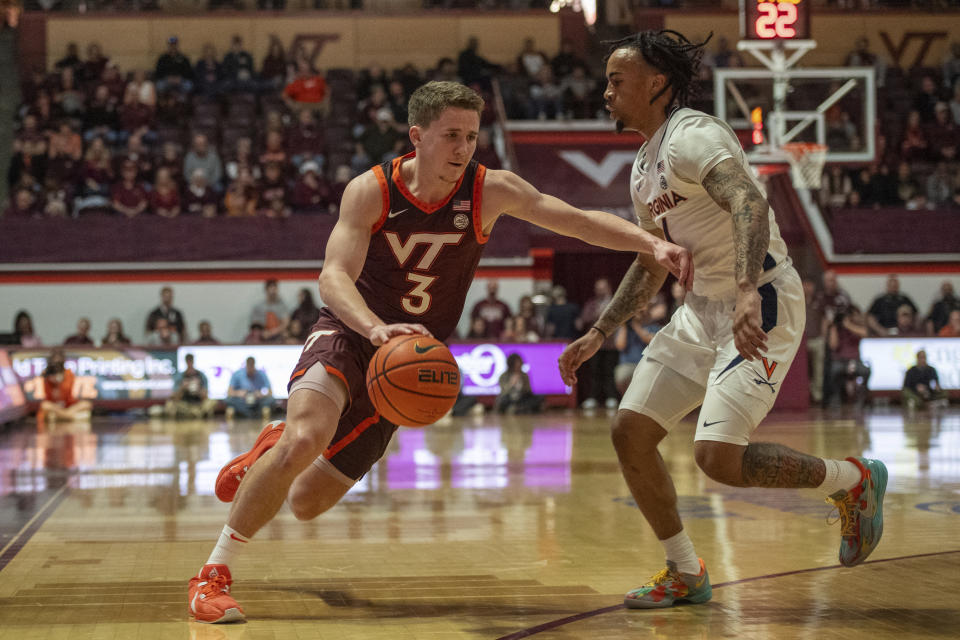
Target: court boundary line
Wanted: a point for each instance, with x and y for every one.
(12, 548)
(553, 624)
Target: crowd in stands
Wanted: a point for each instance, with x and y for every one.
(834, 328)
(223, 136)
(918, 139)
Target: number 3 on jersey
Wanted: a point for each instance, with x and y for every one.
(417, 300)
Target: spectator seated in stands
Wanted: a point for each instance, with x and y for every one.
(925, 101)
(562, 316)
(943, 135)
(174, 72)
(308, 90)
(906, 323)
(939, 188)
(206, 334)
(165, 196)
(82, 336)
(171, 160)
(274, 152)
(128, 197)
(198, 198)
(100, 119)
(57, 198)
(271, 313)
(378, 139)
(237, 69)
(545, 99)
(163, 335)
(836, 188)
(305, 140)
(207, 73)
(273, 193)
(472, 67)
(526, 325)
(952, 328)
(60, 403)
(203, 156)
(242, 157)
(64, 153)
(882, 317)
(69, 98)
(273, 69)
(915, 146)
(848, 374)
(493, 311)
(579, 93)
(240, 199)
(249, 393)
(190, 394)
(24, 204)
(940, 310)
(115, 337)
(515, 393)
(97, 175)
(633, 337)
(306, 313)
(531, 60)
(168, 312)
(312, 193)
(23, 333)
(921, 386)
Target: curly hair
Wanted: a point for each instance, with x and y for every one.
(670, 53)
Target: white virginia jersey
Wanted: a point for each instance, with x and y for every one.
(667, 193)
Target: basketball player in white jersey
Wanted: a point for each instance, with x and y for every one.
(729, 346)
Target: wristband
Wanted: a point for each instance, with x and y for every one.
(600, 331)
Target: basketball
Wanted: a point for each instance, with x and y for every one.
(413, 380)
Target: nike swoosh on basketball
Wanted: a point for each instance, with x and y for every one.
(710, 424)
(420, 349)
(394, 214)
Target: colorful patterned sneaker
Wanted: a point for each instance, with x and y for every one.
(670, 587)
(209, 596)
(228, 481)
(861, 512)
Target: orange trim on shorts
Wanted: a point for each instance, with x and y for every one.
(384, 196)
(338, 446)
(336, 372)
(477, 202)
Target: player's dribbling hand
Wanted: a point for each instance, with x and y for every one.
(576, 353)
(748, 336)
(382, 333)
(676, 260)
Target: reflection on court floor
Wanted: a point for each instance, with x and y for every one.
(485, 527)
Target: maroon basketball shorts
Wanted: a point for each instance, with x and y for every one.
(362, 435)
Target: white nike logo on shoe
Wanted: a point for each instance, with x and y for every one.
(394, 214)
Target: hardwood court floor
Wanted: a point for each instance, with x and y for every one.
(484, 528)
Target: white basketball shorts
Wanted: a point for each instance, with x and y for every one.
(693, 361)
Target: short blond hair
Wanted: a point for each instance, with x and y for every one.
(429, 100)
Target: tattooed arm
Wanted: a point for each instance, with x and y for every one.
(733, 190)
(642, 280)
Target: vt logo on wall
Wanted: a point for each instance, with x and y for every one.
(588, 169)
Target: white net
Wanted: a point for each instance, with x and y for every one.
(806, 163)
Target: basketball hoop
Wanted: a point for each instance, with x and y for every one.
(806, 163)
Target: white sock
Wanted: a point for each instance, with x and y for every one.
(680, 551)
(842, 475)
(228, 546)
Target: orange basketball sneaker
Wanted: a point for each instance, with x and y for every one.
(228, 481)
(209, 596)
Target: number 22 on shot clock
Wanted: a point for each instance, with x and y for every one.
(775, 20)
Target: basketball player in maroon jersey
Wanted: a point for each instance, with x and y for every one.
(399, 261)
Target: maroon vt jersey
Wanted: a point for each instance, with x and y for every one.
(422, 256)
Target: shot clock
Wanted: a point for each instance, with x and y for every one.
(774, 20)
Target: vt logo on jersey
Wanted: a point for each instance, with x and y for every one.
(418, 299)
(665, 202)
(769, 366)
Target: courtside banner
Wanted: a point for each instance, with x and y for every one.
(889, 359)
(481, 366)
(127, 373)
(589, 169)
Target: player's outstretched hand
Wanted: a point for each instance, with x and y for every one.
(677, 261)
(748, 336)
(576, 353)
(382, 333)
